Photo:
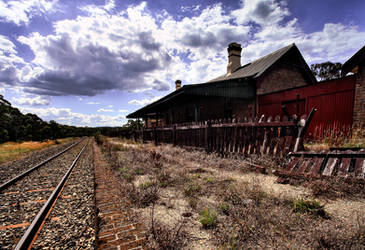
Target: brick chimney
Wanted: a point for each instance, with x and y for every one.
(178, 84)
(234, 57)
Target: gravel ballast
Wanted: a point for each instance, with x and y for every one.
(22, 201)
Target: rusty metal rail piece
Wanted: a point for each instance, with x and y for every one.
(29, 236)
(18, 177)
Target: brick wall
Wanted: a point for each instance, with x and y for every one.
(359, 105)
(284, 76)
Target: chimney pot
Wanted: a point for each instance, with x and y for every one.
(178, 84)
(234, 57)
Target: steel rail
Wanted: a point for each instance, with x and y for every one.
(18, 177)
(29, 236)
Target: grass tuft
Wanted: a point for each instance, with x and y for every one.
(309, 207)
(192, 189)
(208, 218)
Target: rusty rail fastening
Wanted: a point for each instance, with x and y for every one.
(18, 177)
(30, 235)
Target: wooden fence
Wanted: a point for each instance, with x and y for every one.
(277, 136)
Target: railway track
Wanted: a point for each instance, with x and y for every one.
(27, 201)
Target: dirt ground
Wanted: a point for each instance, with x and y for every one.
(192, 200)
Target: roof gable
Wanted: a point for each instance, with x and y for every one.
(260, 66)
(354, 61)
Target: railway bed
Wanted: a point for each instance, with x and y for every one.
(21, 202)
(13, 168)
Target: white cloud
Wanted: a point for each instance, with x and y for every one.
(93, 103)
(110, 106)
(105, 110)
(262, 12)
(144, 101)
(21, 11)
(123, 110)
(66, 116)
(192, 8)
(32, 101)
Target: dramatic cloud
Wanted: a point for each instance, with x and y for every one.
(261, 12)
(32, 101)
(91, 55)
(21, 11)
(8, 61)
(135, 51)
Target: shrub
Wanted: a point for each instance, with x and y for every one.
(141, 197)
(145, 185)
(321, 188)
(139, 171)
(309, 207)
(99, 139)
(191, 189)
(163, 178)
(128, 177)
(209, 180)
(193, 202)
(208, 218)
(224, 208)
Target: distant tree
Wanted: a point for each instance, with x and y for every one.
(133, 124)
(326, 70)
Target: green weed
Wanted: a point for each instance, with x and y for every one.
(208, 218)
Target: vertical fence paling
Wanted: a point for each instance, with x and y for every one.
(248, 136)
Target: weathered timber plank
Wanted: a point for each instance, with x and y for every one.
(304, 165)
(292, 164)
(360, 167)
(344, 167)
(330, 166)
(315, 169)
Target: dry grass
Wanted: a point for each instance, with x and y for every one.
(14, 150)
(222, 204)
(356, 139)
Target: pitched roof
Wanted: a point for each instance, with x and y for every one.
(241, 88)
(355, 60)
(258, 67)
(236, 89)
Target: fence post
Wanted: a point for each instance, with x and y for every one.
(155, 136)
(135, 135)
(207, 137)
(143, 137)
(302, 129)
(174, 135)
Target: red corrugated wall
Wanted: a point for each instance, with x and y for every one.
(333, 99)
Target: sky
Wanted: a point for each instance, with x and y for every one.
(92, 62)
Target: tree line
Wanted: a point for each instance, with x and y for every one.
(15, 126)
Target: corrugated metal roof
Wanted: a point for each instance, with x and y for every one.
(256, 68)
(233, 89)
